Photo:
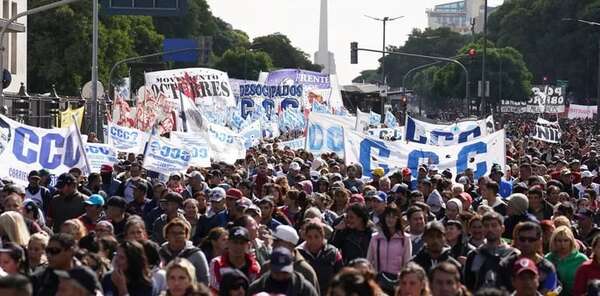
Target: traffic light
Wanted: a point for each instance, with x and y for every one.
(354, 53)
(472, 52)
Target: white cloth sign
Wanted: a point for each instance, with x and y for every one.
(24, 148)
(447, 134)
(362, 120)
(125, 139)
(326, 133)
(99, 154)
(582, 111)
(294, 144)
(388, 134)
(196, 144)
(225, 144)
(546, 131)
(252, 134)
(479, 154)
(165, 157)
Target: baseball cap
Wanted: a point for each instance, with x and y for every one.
(587, 174)
(84, 276)
(357, 198)
(381, 196)
(234, 193)
(378, 171)
(434, 226)
(294, 166)
(282, 261)
(239, 233)
(117, 201)
(523, 265)
(370, 194)
(286, 233)
(216, 194)
(243, 203)
(406, 172)
(173, 197)
(34, 174)
(565, 172)
(400, 188)
(195, 174)
(105, 168)
(65, 179)
(95, 200)
(447, 174)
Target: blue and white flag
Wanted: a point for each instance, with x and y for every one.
(390, 120)
(326, 134)
(235, 120)
(319, 108)
(166, 157)
(225, 144)
(292, 119)
(252, 134)
(200, 152)
(99, 154)
(125, 139)
(374, 119)
(447, 134)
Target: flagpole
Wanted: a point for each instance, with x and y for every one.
(87, 161)
(183, 117)
(148, 141)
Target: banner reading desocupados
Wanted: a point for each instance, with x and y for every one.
(225, 144)
(166, 157)
(197, 146)
(99, 154)
(125, 139)
(326, 133)
(315, 86)
(24, 148)
(447, 134)
(582, 111)
(479, 154)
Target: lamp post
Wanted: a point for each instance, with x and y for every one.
(598, 82)
(13, 19)
(383, 82)
(483, 56)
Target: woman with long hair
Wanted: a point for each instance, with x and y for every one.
(135, 229)
(36, 251)
(324, 258)
(389, 249)
(13, 228)
(181, 278)
(191, 212)
(75, 228)
(565, 256)
(13, 259)
(413, 281)
(353, 234)
(456, 239)
(588, 271)
(352, 282)
(215, 243)
(131, 274)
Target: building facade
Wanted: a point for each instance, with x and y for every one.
(15, 43)
(457, 16)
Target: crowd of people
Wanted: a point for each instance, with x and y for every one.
(286, 222)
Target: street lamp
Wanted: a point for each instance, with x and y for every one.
(590, 23)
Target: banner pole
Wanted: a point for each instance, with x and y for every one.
(87, 161)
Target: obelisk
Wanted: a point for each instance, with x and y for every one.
(323, 57)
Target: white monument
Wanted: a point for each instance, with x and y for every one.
(323, 57)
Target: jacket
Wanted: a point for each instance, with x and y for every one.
(221, 265)
(389, 255)
(300, 266)
(159, 224)
(482, 267)
(548, 278)
(424, 259)
(191, 253)
(326, 263)
(566, 268)
(298, 286)
(352, 243)
(589, 270)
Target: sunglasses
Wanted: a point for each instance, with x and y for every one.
(53, 251)
(528, 239)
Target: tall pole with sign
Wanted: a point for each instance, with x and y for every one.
(94, 104)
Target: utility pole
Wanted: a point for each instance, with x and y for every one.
(483, 84)
(94, 104)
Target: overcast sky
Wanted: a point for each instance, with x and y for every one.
(299, 20)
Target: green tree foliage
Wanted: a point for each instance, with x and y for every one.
(59, 45)
(283, 53)
(551, 47)
(242, 63)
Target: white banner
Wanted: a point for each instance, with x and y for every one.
(582, 111)
(294, 144)
(326, 133)
(362, 120)
(165, 157)
(226, 145)
(447, 134)
(125, 139)
(388, 134)
(546, 131)
(24, 148)
(479, 154)
(99, 154)
(196, 144)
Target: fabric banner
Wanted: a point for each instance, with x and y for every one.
(125, 139)
(194, 120)
(225, 144)
(362, 121)
(546, 131)
(252, 134)
(294, 144)
(66, 117)
(165, 157)
(326, 133)
(390, 119)
(582, 111)
(315, 86)
(24, 148)
(388, 134)
(99, 154)
(200, 152)
(154, 110)
(479, 154)
(447, 134)
(545, 99)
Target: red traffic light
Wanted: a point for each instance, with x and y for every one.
(472, 52)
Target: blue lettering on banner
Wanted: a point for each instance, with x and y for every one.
(436, 134)
(463, 159)
(45, 145)
(247, 106)
(331, 139)
(123, 134)
(270, 91)
(221, 136)
(169, 152)
(417, 155)
(289, 102)
(97, 150)
(366, 147)
(269, 106)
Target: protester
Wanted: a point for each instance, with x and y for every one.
(181, 277)
(60, 251)
(131, 274)
(565, 256)
(353, 234)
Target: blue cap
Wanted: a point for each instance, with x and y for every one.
(282, 260)
(381, 196)
(95, 200)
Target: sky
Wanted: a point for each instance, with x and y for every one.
(299, 20)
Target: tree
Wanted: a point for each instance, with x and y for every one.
(61, 54)
(283, 53)
(242, 63)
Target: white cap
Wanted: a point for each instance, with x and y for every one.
(587, 174)
(286, 233)
(294, 166)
